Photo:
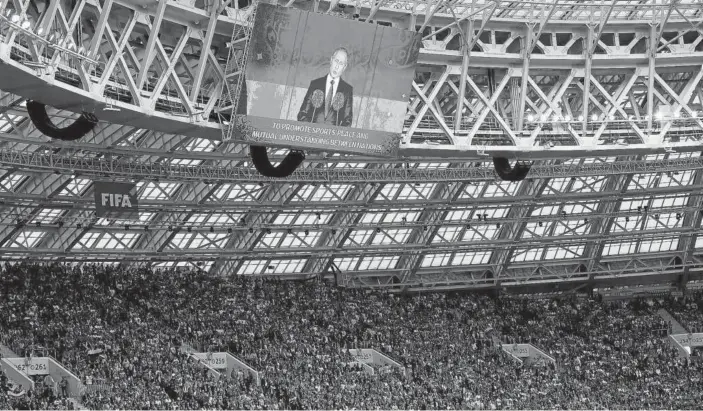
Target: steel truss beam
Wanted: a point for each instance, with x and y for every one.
(137, 75)
(149, 170)
(176, 80)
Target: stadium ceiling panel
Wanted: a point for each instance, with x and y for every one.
(605, 96)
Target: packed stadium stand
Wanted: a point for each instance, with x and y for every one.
(337, 204)
(609, 355)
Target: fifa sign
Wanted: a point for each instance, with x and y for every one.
(115, 200)
(118, 200)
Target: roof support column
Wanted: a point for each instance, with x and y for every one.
(650, 81)
(587, 81)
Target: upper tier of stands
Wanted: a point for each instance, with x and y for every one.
(609, 355)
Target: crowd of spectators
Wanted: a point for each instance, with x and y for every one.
(42, 397)
(688, 310)
(127, 329)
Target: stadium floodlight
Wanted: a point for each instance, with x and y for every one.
(15, 18)
(567, 118)
(581, 118)
(694, 114)
(25, 25)
(594, 117)
(530, 118)
(677, 115)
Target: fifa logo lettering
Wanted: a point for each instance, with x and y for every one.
(116, 200)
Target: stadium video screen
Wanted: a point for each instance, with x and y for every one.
(322, 82)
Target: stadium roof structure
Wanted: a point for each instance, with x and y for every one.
(605, 97)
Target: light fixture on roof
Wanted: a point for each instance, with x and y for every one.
(15, 18)
(26, 25)
(567, 118)
(677, 114)
(594, 117)
(694, 114)
(530, 118)
(581, 117)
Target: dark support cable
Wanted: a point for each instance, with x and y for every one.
(82, 126)
(507, 173)
(263, 165)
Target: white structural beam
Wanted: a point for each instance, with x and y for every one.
(151, 43)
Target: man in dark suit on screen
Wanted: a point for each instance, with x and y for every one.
(329, 99)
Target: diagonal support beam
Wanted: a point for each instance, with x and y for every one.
(151, 43)
(202, 61)
(490, 107)
(100, 29)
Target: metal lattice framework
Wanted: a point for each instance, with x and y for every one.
(606, 95)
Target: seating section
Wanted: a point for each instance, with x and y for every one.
(688, 311)
(126, 327)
